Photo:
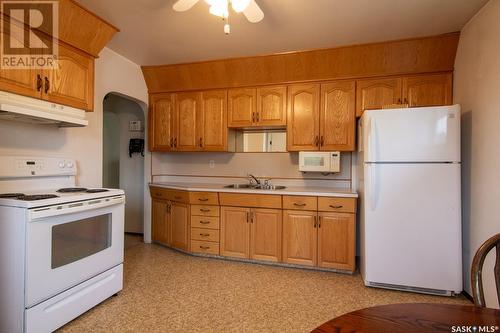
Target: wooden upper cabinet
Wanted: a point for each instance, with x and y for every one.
(212, 126)
(242, 105)
(161, 122)
(428, 90)
(179, 221)
(338, 116)
(271, 106)
(376, 93)
(300, 237)
(265, 234)
(188, 109)
(337, 241)
(234, 232)
(303, 117)
(72, 81)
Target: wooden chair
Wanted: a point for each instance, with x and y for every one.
(477, 270)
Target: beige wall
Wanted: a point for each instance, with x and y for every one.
(477, 89)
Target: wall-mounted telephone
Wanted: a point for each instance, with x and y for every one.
(136, 146)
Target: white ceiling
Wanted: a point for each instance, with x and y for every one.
(153, 34)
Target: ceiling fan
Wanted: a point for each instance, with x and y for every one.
(220, 8)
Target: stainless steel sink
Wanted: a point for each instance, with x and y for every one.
(256, 187)
(239, 186)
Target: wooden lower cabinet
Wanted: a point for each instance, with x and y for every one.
(337, 241)
(235, 232)
(300, 237)
(161, 222)
(265, 234)
(179, 219)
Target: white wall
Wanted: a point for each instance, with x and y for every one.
(477, 89)
(123, 171)
(113, 73)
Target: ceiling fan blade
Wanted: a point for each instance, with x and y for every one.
(183, 5)
(253, 12)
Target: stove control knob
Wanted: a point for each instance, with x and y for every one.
(61, 164)
(69, 164)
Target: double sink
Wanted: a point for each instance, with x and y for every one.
(256, 187)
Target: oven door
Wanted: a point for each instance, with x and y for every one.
(70, 243)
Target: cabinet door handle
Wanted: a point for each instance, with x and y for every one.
(322, 141)
(252, 217)
(204, 247)
(175, 142)
(399, 100)
(204, 235)
(406, 101)
(205, 222)
(39, 82)
(201, 142)
(336, 207)
(299, 204)
(203, 199)
(316, 141)
(258, 117)
(319, 222)
(315, 221)
(171, 142)
(253, 117)
(47, 85)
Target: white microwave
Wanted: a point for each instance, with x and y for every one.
(319, 161)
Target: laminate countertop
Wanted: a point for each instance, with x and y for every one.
(289, 190)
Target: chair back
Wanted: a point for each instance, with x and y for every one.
(477, 270)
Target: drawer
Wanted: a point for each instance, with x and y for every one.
(300, 202)
(204, 198)
(202, 210)
(159, 193)
(209, 235)
(210, 222)
(204, 247)
(250, 200)
(178, 196)
(345, 205)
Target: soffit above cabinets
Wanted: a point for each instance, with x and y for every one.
(152, 33)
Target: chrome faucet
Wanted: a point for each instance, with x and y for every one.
(252, 177)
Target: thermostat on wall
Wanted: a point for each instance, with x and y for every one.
(135, 126)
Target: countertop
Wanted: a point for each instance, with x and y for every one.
(290, 190)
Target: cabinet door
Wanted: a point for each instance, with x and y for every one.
(72, 81)
(338, 116)
(337, 241)
(375, 93)
(271, 106)
(212, 134)
(241, 107)
(428, 90)
(188, 109)
(179, 219)
(266, 234)
(160, 228)
(161, 122)
(234, 232)
(303, 117)
(20, 81)
(300, 237)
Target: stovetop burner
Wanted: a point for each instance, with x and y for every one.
(97, 190)
(11, 195)
(37, 197)
(72, 190)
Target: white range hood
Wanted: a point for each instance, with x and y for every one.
(31, 110)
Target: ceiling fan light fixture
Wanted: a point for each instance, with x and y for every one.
(239, 5)
(219, 8)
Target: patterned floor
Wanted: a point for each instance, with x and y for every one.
(166, 291)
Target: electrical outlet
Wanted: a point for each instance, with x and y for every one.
(211, 164)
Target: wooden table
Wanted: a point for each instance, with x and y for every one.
(406, 318)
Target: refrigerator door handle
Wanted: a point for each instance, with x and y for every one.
(370, 145)
(374, 186)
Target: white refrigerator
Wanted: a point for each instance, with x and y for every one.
(410, 218)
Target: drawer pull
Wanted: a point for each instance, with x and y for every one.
(336, 207)
(204, 247)
(205, 222)
(204, 210)
(159, 194)
(299, 204)
(177, 198)
(203, 200)
(204, 235)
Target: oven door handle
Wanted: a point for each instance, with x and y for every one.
(74, 207)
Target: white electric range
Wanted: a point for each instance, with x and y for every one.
(61, 246)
